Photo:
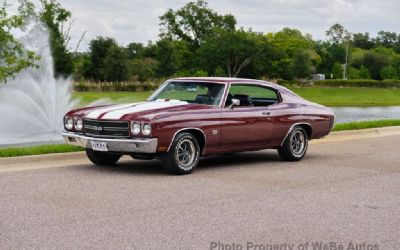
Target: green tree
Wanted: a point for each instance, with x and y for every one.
(292, 45)
(108, 61)
(98, 50)
(301, 66)
(362, 41)
(388, 39)
(364, 73)
(116, 64)
(143, 68)
(194, 22)
(231, 50)
(375, 61)
(388, 72)
(329, 54)
(13, 56)
(135, 50)
(337, 70)
(56, 17)
(339, 35)
(165, 55)
(353, 73)
(81, 65)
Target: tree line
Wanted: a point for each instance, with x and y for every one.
(195, 40)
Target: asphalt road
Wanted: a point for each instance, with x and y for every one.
(342, 192)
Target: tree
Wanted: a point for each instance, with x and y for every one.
(164, 54)
(13, 56)
(387, 39)
(291, 45)
(144, 68)
(364, 73)
(55, 17)
(135, 50)
(108, 61)
(231, 50)
(116, 64)
(388, 72)
(337, 70)
(194, 22)
(375, 61)
(301, 66)
(362, 41)
(339, 34)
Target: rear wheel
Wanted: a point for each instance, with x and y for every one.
(295, 146)
(183, 155)
(102, 158)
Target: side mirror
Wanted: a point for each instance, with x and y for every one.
(235, 102)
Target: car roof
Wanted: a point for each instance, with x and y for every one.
(224, 80)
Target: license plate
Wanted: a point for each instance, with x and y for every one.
(99, 146)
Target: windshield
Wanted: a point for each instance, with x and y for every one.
(191, 92)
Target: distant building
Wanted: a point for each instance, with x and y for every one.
(318, 77)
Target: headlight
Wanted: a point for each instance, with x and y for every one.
(146, 129)
(78, 124)
(69, 123)
(135, 128)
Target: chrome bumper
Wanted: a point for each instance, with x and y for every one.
(136, 145)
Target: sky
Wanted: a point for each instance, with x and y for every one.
(138, 20)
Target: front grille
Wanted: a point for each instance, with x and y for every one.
(107, 129)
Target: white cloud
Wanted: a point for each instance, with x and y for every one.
(137, 20)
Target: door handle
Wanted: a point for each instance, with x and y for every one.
(266, 113)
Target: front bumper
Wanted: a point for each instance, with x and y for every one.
(136, 145)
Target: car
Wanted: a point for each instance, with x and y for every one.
(188, 118)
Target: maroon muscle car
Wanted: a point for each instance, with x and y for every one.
(187, 118)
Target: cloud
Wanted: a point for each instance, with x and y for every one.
(137, 20)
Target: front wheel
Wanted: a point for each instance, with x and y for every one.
(295, 146)
(102, 158)
(183, 155)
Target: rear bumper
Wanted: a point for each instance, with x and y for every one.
(136, 145)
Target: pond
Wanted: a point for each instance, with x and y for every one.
(351, 114)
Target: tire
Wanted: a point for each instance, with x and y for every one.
(295, 146)
(102, 158)
(183, 155)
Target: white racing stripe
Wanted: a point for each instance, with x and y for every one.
(159, 104)
(97, 112)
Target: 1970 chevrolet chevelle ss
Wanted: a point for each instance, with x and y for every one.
(191, 117)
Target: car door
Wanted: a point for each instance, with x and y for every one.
(249, 125)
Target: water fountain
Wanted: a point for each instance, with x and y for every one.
(33, 103)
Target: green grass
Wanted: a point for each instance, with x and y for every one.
(323, 95)
(350, 96)
(117, 97)
(366, 124)
(38, 150)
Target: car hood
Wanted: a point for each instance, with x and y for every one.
(127, 111)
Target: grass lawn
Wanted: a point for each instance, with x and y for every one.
(38, 150)
(322, 95)
(117, 97)
(366, 124)
(350, 96)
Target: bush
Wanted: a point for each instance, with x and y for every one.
(359, 83)
(296, 82)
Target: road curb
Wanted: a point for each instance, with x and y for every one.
(359, 134)
(41, 158)
(332, 137)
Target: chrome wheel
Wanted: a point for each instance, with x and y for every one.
(298, 143)
(185, 153)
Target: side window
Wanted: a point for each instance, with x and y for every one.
(252, 95)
